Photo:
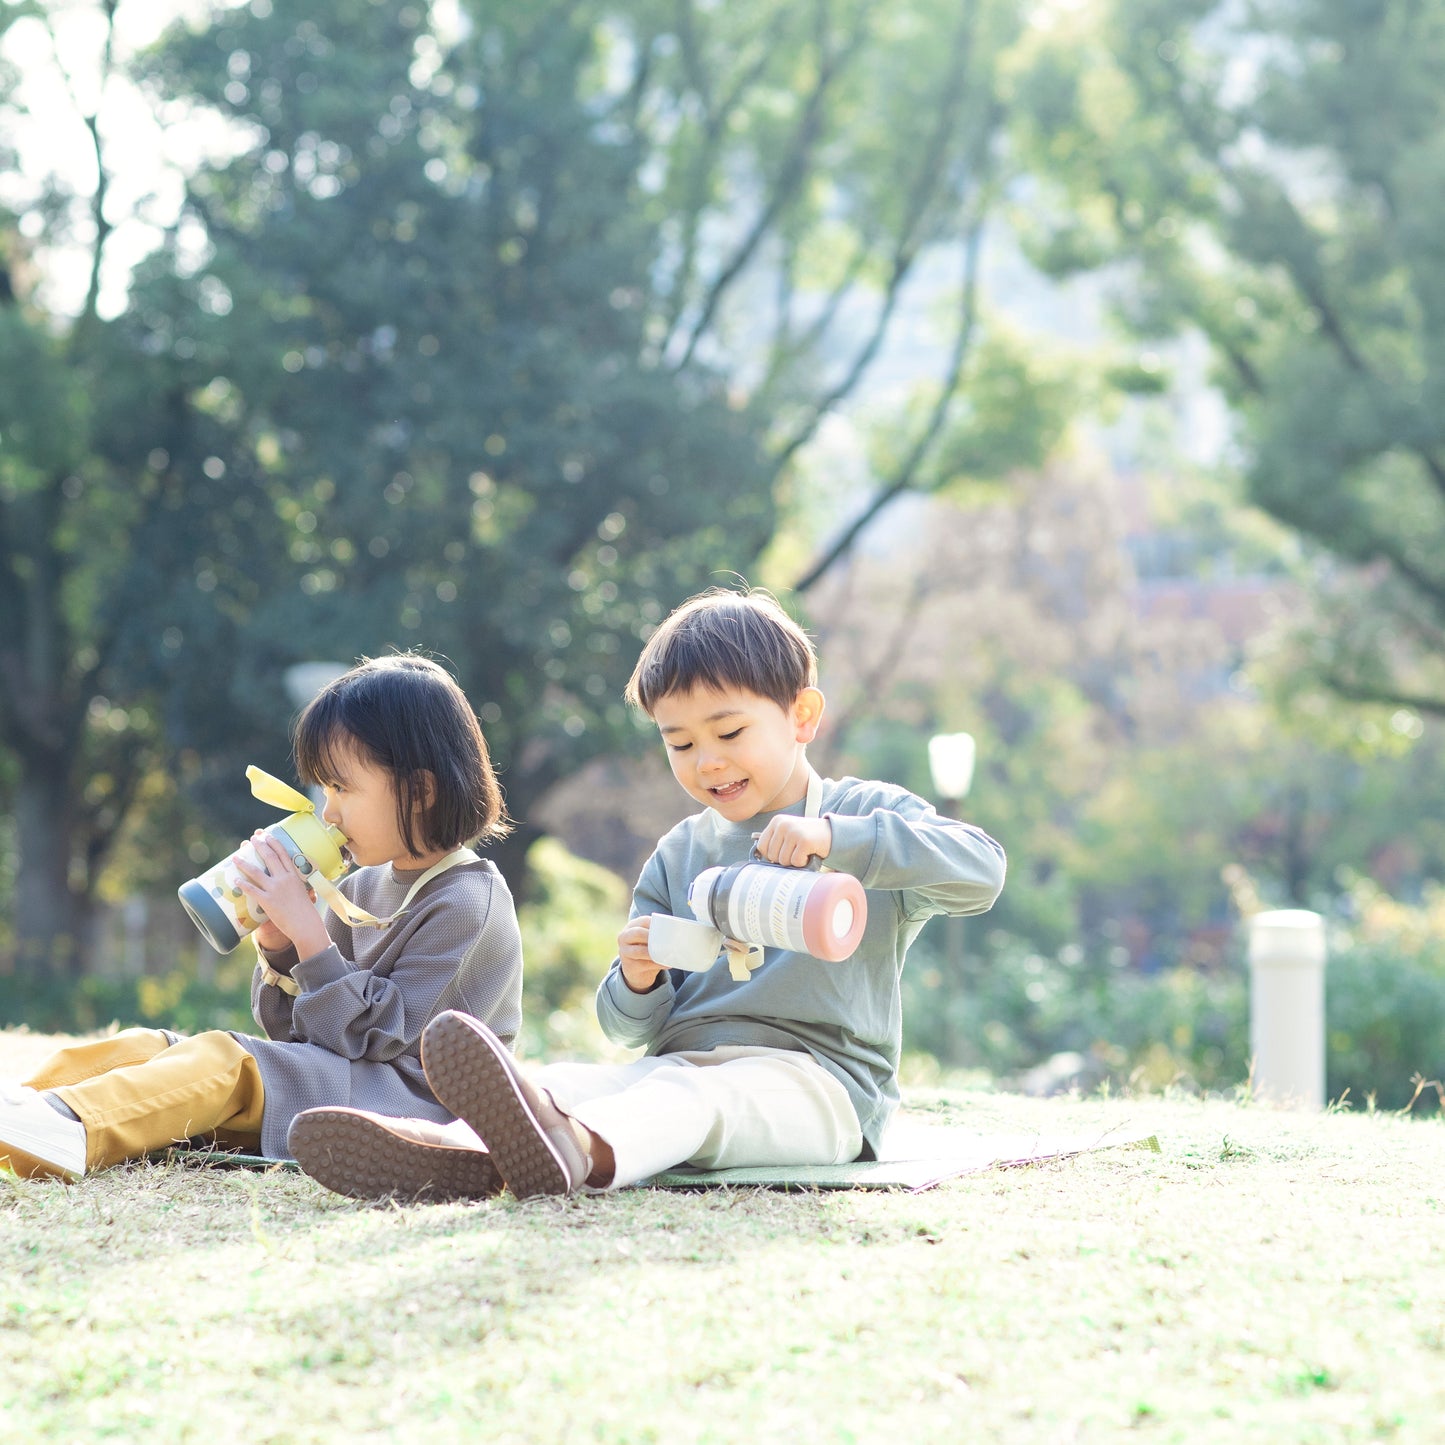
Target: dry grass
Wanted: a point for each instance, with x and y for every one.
(1268, 1277)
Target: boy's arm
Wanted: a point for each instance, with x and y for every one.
(940, 865)
(627, 1017)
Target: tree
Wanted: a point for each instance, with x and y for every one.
(431, 265)
(121, 615)
(817, 165)
(1274, 177)
(457, 342)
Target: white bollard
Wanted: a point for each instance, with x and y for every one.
(1287, 1007)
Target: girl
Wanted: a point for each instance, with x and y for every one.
(407, 777)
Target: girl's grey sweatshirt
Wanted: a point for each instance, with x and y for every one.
(913, 863)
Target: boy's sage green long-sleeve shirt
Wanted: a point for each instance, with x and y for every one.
(913, 863)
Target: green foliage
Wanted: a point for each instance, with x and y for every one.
(1385, 1021)
(434, 258)
(175, 1000)
(570, 924)
(1013, 1008)
(1273, 176)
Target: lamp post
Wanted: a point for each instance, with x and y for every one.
(303, 680)
(951, 758)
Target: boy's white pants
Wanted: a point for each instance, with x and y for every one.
(720, 1108)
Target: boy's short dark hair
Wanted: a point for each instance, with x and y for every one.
(725, 638)
(407, 714)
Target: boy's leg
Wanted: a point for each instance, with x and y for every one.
(613, 1125)
(200, 1085)
(723, 1109)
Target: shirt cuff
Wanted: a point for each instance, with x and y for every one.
(638, 1006)
(322, 968)
(855, 842)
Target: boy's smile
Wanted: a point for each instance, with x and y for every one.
(738, 752)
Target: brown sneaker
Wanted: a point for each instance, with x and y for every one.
(531, 1140)
(371, 1156)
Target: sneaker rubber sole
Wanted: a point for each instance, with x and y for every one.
(354, 1154)
(472, 1074)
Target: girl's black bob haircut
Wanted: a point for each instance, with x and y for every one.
(725, 638)
(407, 715)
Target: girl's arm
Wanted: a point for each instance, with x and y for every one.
(362, 1014)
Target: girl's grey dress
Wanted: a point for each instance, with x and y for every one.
(353, 1034)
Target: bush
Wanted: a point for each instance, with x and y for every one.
(1011, 1008)
(1385, 1025)
(569, 939)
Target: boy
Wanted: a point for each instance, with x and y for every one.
(796, 1065)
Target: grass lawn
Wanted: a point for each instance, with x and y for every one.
(1268, 1277)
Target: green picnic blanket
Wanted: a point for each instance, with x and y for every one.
(918, 1156)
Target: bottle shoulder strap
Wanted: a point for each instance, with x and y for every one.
(358, 917)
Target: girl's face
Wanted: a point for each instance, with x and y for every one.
(361, 801)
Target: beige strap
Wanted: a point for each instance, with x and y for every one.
(358, 917)
(815, 795)
(345, 909)
(278, 980)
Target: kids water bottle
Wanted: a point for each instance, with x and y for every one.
(214, 900)
(763, 903)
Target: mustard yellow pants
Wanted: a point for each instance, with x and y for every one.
(138, 1091)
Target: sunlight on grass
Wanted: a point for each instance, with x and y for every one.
(1268, 1276)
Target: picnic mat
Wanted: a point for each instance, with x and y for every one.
(918, 1156)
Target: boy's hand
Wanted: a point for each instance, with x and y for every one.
(639, 972)
(793, 841)
(290, 906)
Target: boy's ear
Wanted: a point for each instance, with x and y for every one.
(807, 714)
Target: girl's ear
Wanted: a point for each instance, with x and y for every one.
(807, 714)
(426, 787)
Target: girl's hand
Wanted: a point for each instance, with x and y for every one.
(639, 972)
(290, 906)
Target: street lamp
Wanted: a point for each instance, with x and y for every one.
(303, 680)
(950, 760)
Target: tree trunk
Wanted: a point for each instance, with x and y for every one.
(50, 917)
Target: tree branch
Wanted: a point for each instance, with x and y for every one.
(715, 122)
(790, 177)
(903, 480)
(924, 188)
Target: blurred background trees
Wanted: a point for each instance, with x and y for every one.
(1070, 368)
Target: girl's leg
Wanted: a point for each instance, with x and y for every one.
(79, 1062)
(200, 1085)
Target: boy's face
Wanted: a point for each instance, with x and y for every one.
(737, 752)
